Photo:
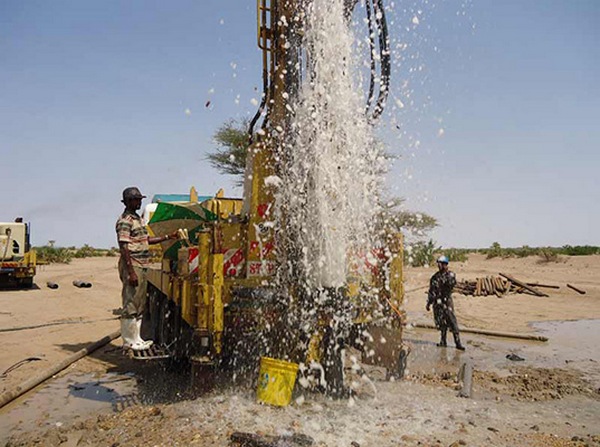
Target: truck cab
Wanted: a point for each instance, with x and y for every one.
(17, 259)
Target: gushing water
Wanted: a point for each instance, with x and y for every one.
(334, 167)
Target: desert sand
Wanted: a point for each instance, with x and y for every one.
(552, 398)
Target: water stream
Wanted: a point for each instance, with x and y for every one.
(329, 196)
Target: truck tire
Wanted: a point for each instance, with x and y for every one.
(26, 283)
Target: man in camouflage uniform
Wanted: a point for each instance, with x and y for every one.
(440, 297)
(133, 239)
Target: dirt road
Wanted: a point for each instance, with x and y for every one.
(551, 398)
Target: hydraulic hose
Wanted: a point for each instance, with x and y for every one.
(371, 56)
(263, 100)
(385, 58)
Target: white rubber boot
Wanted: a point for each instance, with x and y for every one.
(128, 333)
(145, 343)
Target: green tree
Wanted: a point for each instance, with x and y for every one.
(415, 224)
(229, 156)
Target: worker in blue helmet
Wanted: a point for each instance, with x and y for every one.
(440, 297)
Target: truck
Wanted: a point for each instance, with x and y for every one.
(17, 258)
(235, 290)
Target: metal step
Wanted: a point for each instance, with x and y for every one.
(154, 352)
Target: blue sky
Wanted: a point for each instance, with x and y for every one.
(498, 137)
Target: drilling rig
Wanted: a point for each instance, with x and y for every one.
(233, 294)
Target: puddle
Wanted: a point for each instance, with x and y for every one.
(575, 340)
(64, 399)
(572, 344)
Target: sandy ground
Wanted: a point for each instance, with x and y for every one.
(514, 312)
(550, 399)
(75, 317)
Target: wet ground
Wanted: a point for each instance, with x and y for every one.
(73, 395)
(572, 346)
(67, 398)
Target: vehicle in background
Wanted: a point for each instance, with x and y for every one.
(17, 259)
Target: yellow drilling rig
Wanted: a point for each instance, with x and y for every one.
(216, 300)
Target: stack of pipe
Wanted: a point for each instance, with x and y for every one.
(498, 285)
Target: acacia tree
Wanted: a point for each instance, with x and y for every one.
(229, 157)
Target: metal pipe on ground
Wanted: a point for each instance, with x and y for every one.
(523, 285)
(12, 394)
(465, 376)
(488, 332)
(576, 289)
(537, 284)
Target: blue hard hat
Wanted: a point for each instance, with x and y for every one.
(443, 259)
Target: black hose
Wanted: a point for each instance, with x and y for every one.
(263, 101)
(385, 58)
(261, 107)
(371, 55)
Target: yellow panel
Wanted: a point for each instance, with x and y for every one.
(230, 235)
(216, 270)
(204, 253)
(193, 195)
(218, 319)
(224, 207)
(203, 306)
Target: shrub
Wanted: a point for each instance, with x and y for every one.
(494, 251)
(50, 255)
(456, 254)
(548, 255)
(84, 252)
(114, 251)
(579, 250)
(88, 251)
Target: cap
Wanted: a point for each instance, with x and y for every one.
(443, 259)
(132, 193)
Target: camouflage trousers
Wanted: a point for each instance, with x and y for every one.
(134, 298)
(443, 315)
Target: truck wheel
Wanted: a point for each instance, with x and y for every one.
(152, 315)
(26, 283)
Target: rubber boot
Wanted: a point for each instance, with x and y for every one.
(457, 341)
(128, 333)
(138, 329)
(442, 343)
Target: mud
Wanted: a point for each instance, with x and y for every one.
(401, 413)
(521, 405)
(537, 384)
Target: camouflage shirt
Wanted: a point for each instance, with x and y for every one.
(440, 287)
